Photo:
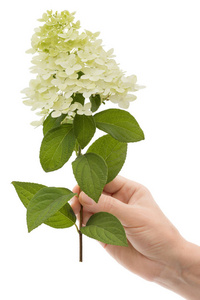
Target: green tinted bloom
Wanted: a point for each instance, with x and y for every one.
(68, 61)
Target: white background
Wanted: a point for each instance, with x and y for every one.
(159, 42)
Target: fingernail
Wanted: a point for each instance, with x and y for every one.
(71, 201)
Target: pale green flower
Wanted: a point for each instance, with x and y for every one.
(68, 61)
(84, 109)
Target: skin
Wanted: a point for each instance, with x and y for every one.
(156, 252)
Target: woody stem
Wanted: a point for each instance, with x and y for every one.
(80, 223)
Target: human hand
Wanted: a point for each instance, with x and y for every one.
(151, 236)
(156, 248)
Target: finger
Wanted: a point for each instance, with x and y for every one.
(122, 188)
(86, 216)
(115, 185)
(76, 189)
(108, 204)
(75, 204)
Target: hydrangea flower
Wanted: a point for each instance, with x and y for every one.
(68, 62)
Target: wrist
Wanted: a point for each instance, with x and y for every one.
(181, 274)
(190, 265)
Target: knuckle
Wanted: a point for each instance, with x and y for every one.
(143, 190)
(107, 203)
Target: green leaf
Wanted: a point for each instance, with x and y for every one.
(57, 147)
(78, 97)
(84, 129)
(51, 123)
(45, 203)
(63, 218)
(95, 102)
(26, 191)
(105, 228)
(112, 151)
(120, 124)
(90, 171)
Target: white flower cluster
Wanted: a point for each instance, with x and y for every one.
(69, 62)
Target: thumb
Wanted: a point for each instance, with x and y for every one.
(108, 204)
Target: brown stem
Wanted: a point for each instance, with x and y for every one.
(80, 222)
(81, 236)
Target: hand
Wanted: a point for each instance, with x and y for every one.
(156, 248)
(151, 236)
